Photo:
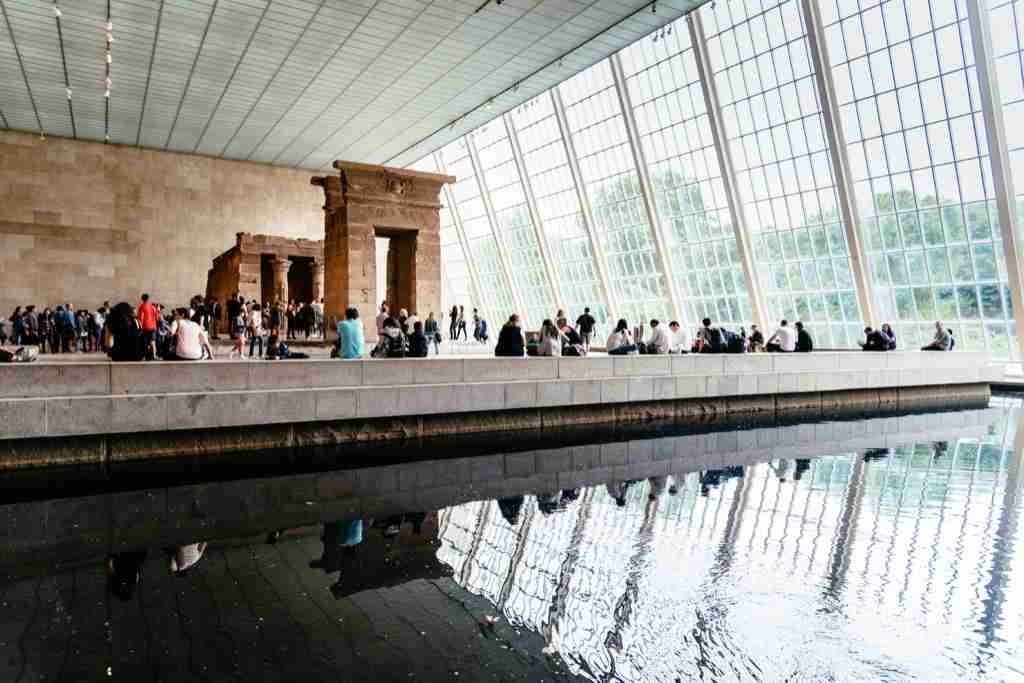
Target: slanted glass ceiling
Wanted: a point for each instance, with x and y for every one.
(551, 196)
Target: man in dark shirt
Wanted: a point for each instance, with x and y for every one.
(585, 324)
(234, 308)
(874, 340)
(804, 343)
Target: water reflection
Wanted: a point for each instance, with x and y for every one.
(890, 558)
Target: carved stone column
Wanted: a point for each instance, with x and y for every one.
(281, 268)
(362, 201)
(318, 279)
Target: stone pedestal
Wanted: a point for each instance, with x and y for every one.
(318, 280)
(365, 201)
(281, 268)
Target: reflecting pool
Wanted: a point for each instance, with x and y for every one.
(874, 549)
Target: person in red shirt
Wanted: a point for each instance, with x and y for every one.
(148, 316)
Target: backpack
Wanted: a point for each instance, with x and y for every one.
(733, 343)
(714, 340)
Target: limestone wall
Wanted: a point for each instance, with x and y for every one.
(85, 222)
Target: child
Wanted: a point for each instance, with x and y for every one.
(238, 334)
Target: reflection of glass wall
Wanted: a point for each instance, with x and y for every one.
(908, 94)
(515, 226)
(483, 248)
(675, 132)
(558, 205)
(613, 188)
(768, 94)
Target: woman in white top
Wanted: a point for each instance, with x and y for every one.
(620, 341)
(550, 340)
(255, 329)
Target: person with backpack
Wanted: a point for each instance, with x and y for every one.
(709, 339)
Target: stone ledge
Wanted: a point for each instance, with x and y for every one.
(250, 429)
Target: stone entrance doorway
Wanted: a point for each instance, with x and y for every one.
(400, 279)
(268, 268)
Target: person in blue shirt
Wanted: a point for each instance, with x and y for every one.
(350, 335)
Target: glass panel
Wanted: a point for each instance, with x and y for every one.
(612, 185)
(776, 134)
(912, 108)
(686, 181)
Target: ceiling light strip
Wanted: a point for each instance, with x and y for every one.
(21, 65)
(642, 11)
(108, 39)
(191, 73)
(64, 62)
(149, 72)
(231, 78)
(270, 81)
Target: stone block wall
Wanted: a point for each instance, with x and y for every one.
(86, 222)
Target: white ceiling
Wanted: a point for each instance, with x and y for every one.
(298, 82)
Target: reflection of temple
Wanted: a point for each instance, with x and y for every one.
(268, 268)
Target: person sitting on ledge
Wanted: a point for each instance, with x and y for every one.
(122, 336)
(620, 341)
(277, 350)
(783, 340)
(550, 339)
(755, 343)
(510, 339)
(350, 335)
(572, 342)
(392, 343)
(679, 341)
(804, 343)
(419, 345)
(874, 340)
(943, 340)
(190, 342)
(889, 335)
(659, 343)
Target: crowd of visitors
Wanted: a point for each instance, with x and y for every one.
(149, 332)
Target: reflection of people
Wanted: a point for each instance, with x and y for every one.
(184, 557)
(510, 508)
(781, 469)
(124, 571)
(618, 491)
(658, 485)
(802, 465)
(340, 538)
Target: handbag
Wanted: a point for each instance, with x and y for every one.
(437, 337)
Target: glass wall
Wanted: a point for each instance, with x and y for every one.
(612, 186)
(686, 181)
(558, 205)
(768, 94)
(912, 131)
(496, 296)
(508, 200)
(907, 88)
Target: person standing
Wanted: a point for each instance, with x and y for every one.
(381, 317)
(215, 313)
(255, 329)
(148, 315)
(453, 323)
(585, 326)
(462, 324)
(433, 332)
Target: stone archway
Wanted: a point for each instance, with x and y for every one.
(363, 201)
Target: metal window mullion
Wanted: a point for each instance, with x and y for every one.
(531, 204)
(999, 154)
(838, 155)
(492, 219)
(643, 173)
(474, 277)
(585, 208)
(741, 229)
